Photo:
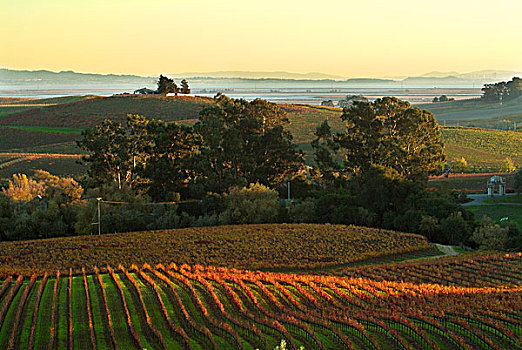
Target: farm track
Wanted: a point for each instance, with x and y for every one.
(182, 307)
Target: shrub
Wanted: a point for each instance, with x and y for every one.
(302, 211)
(508, 165)
(489, 236)
(255, 204)
(454, 229)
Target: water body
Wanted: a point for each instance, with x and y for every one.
(302, 92)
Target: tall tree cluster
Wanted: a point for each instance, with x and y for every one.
(502, 91)
(387, 133)
(235, 143)
(149, 155)
(167, 85)
(238, 142)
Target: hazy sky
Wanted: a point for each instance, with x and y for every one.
(349, 38)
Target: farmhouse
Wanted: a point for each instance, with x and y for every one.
(145, 91)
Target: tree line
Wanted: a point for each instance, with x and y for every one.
(502, 91)
(235, 163)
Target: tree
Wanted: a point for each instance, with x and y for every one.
(498, 92)
(111, 157)
(185, 89)
(435, 99)
(389, 133)
(22, 188)
(169, 151)
(244, 142)
(167, 85)
(150, 155)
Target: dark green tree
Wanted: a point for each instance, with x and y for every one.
(167, 85)
(169, 153)
(388, 133)
(147, 155)
(244, 142)
(502, 91)
(185, 89)
(110, 157)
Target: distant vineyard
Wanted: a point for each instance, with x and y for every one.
(272, 246)
(464, 271)
(184, 307)
(475, 144)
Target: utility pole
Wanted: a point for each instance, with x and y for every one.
(99, 215)
(288, 188)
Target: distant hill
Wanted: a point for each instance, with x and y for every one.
(45, 77)
(259, 75)
(477, 113)
(223, 80)
(89, 111)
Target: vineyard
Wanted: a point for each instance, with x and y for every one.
(193, 307)
(482, 147)
(271, 246)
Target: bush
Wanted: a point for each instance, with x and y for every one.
(302, 211)
(454, 229)
(256, 204)
(489, 236)
(508, 165)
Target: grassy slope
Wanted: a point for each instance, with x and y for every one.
(476, 112)
(88, 112)
(470, 183)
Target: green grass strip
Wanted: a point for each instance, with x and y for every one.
(139, 323)
(44, 129)
(156, 314)
(7, 325)
(119, 323)
(103, 338)
(81, 333)
(42, 333)
(26, 321)
(61, 313)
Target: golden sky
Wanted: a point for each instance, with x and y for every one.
(371, 38)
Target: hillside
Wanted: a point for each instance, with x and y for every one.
(482, 148)
(56, 123)
(272, 247)
(477, 113)
(90, 111)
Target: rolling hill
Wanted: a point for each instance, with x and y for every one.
(54, 125)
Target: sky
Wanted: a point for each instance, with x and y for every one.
(363, 38)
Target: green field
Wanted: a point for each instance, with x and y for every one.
(508, 208)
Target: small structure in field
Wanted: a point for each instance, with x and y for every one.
(328, 103)
(350, 100)
(145, 91)
(492, 183)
